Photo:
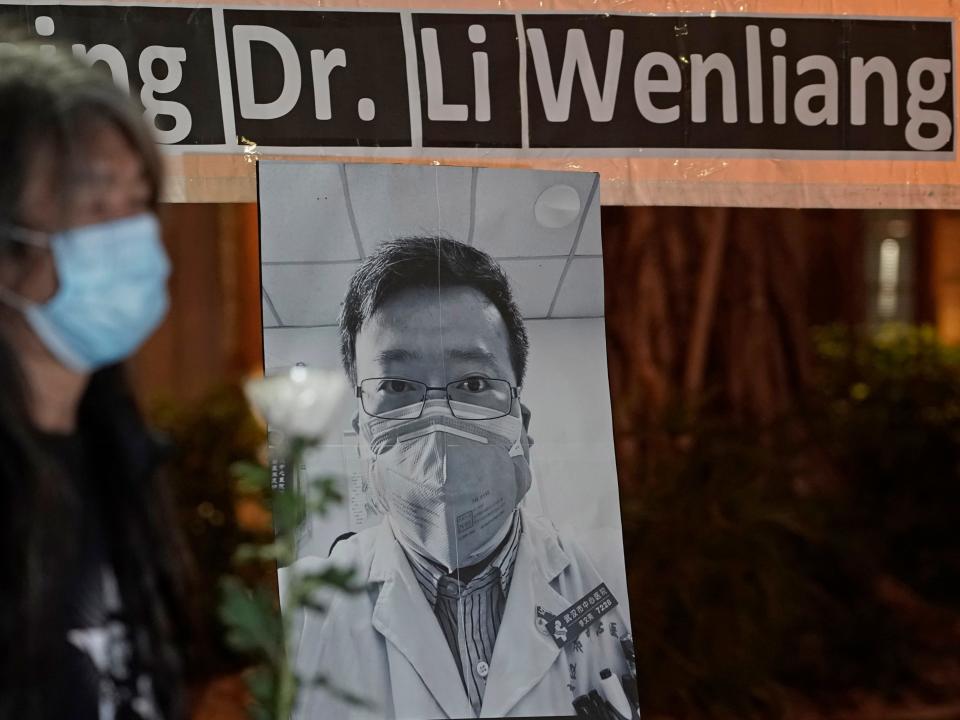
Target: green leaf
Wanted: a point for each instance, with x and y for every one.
(252, 619)
(259, 712)
(247, 552)
(262, 683)
(313, 606)
(251, 476)
(325, 490)
(278, 551)
(289, 510)
(341, 578)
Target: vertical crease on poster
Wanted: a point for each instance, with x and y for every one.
(223, 71)
(473, 204)
(436, 194)
(349, 203)
(413, 79)
(522, 83)
(576, 241)
(443, 360)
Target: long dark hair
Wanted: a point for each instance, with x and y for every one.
(50, 99)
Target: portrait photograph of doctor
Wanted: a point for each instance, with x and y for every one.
(471, 603)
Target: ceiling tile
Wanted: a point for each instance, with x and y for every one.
(505, 222)
(391, 201)
(303, 213)
(307, 294)
(314, 347)
(581, 294)
(533, 283)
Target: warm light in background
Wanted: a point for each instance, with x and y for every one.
(945, 251)
(887, 278)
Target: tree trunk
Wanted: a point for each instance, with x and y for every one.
(705, 307)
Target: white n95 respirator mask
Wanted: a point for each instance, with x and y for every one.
(449, 485)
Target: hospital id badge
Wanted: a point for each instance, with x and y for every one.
(566, 626)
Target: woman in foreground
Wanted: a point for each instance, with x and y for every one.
(91, 576)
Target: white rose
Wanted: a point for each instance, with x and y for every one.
(302, 403)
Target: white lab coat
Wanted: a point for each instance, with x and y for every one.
(386, 646)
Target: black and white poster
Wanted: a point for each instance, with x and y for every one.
(465, 306)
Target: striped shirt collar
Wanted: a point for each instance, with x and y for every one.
(429, 574)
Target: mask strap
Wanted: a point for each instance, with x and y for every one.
(430, 429)
(9, 297)
(26, 236)
(517, 449)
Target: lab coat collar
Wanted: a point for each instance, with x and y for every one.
(544, 547)
(404, 618)
(522, 654)
(429, 574)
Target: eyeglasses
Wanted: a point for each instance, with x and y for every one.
(471, 398)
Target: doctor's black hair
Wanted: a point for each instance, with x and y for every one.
(427, 262)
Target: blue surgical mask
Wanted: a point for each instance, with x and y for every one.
(112, 291)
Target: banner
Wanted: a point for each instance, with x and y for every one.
(862, 102)
(523, 82)
(465, 306)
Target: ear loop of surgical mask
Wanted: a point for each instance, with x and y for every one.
(25, 236)
(24, 306)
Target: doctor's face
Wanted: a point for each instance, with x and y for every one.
(436, 337)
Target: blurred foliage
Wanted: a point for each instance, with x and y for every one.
(240, 529)
(887, 413)
(250, 612)
(756, 554)
(205, 439)
(712, 549)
